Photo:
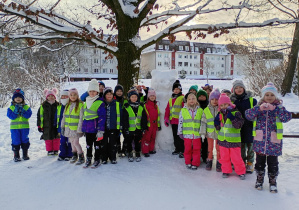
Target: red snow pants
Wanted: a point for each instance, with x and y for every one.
(52, 145)
(231, 155)
(149, 139)
(192, 151)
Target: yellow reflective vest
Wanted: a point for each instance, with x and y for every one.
(228, 132)
(72, 119)
(20, 122)
(191, 126)
(174, 109)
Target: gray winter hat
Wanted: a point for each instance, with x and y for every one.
(237, 83)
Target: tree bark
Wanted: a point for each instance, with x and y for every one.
(292, 61)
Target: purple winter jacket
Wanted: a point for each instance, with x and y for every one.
(265, 141)
(98, 124)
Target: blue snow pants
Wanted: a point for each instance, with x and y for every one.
(20, 138)
(65, 147)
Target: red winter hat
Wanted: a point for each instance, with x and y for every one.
(224, 99)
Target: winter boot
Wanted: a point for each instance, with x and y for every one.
(218, 166)
(175, 152)
(225, 175)
(242, 176)
(259, 180)
(209, 164)
(249, 168)
(17, 156)
(146, 155)
(138, 157)
(55, 152)
(74, 158)
(272, 182)
(87, 163)
(96, 163)
(189, 166)
(25, 154)
(181, 155)
(113, 161)
(67, 159)
(60, 158)
(81, 159)
(152, 152)
(130, 157)
(194, 167)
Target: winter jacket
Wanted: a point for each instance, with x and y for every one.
(237, 123)
(242, 104)
(167, 110)
(152, 109)
(111, 115)
(49, 125)
(72, 133)
(266, 141)
(98, 124)
(85, 95)
(192, 113)
(60, 118)
(125, 120)
(203, 125)
(11, 115)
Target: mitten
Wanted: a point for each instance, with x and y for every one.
(100, 135)
(23, 112)
(271, 107)
(40, 129)
(230, 116)
(16, 110)
(166, 122)
(264, 106)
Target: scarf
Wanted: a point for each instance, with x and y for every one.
(90, 100)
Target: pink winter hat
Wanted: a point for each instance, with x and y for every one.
(73, 90)
(52, 92)
(224, 99)
(151, 92)
(270, 87)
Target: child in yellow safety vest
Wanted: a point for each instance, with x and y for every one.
(153, 124)
(93, 126)
(134, 124)
(19, 113)
(172, 111)
(188, 130)
(71, 125)
(46, 121)
(267, 118)
(207, 129)
(228, 122)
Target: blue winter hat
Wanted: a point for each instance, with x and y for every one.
(18, 93)
(101, 83)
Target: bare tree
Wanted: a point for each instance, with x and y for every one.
(208, 66)
(125, 20)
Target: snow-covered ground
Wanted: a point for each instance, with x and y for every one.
(159, 182)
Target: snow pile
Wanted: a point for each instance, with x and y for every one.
(162, 82)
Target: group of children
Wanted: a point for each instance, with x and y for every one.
(232, 121)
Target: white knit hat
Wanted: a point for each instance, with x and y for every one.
(93, 85)
(64, 93)
(270, 87)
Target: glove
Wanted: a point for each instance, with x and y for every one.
(16, 111)
(267, 106)
(166, 122)
(23, 112)
(181, 136)
(40, 129)
(203, 138)
(62, 131)
(159, 128)
(230, 116)
(100, 135)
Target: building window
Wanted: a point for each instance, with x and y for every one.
(195, 72)
(195, 56)
(190, 72)
(79, 70)
(111, 70)
(186, 64)
(166, 47)
(212, 73)
(214, 50)
(190, 56)
(185, 56)
(187, 48)
(196, 65)
(208, 50)
(96, 60)
(180, 63)
(159, 55)
(166, 63)
(86, 70)
(160, 47)
(105, 71)
(222, 65)
(222, 58)
(181, 48)
(96, 70)
(180, 56)
(196, 49)
(95, 51)
(166, 56)
(218, 50)
(190, 64)
(159, 63)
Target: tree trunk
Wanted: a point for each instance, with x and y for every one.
(292, 61)
(128, 53)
